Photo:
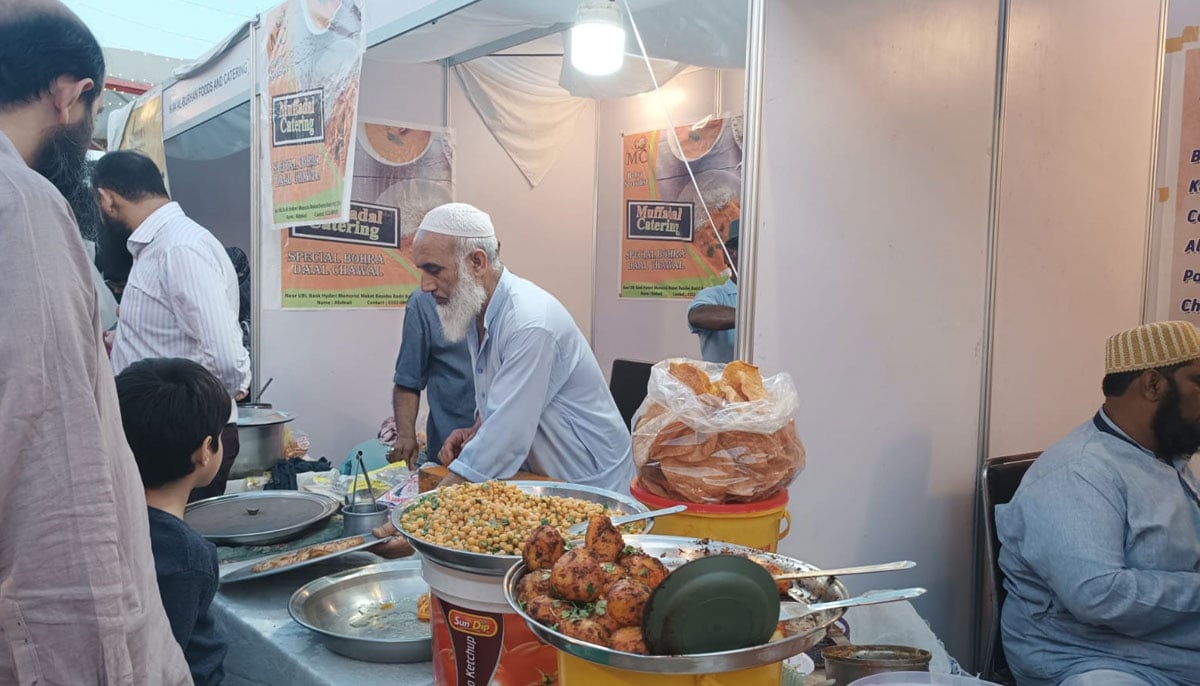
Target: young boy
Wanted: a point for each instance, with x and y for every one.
(173, 412)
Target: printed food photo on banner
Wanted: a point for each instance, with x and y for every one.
(312, 57)
(674, 227)
(401, 171)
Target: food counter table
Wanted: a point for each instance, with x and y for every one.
(267, 647)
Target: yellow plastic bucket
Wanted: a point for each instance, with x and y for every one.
(573, 671)
(754, 525)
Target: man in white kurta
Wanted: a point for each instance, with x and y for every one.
(78, 599)
(543, 404)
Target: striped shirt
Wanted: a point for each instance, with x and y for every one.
(181, 300)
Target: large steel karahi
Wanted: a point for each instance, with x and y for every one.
(674, 551)
(497, 565)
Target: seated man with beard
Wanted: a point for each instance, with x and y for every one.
(543, 404)
(1100, 547)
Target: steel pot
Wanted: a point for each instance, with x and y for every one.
(260, 433)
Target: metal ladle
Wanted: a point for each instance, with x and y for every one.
(581, 527)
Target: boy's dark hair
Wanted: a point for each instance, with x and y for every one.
(129, 174)
(39, 45)
(169, 408)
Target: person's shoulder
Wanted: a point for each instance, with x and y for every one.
(21, 188)
(178, 548)
(1086, 456)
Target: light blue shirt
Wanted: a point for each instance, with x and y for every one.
(543, 401)
(716, 346)
(426, 362)
(1100, 549)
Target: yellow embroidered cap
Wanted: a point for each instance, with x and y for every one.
(1160, 344)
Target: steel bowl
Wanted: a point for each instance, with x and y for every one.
(497, 565)
(674, 551)
(350, 612)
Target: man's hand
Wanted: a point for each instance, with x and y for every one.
(455, 442)
(404, 450)
(241, 396)
(395, 548)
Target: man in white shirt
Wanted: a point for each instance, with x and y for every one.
(543, 405)
(181, 299)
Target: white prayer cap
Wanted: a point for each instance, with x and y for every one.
(458, 219)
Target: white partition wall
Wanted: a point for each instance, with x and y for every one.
(1074, 194)
(877, 126)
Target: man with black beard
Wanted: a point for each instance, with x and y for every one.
(79, 603)
(1100, 547)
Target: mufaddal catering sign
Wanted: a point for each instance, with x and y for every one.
(311, 61)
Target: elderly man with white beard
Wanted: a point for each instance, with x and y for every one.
(543, 404)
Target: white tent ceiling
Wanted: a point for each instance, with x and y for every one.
(704, 33)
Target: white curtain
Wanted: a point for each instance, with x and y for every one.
(520, 101)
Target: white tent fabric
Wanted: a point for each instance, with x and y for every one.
(703, 33)
(511, 94)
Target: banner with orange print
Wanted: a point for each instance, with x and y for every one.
(311, 57)
(400, 173)
(144, 131)
(668, 246)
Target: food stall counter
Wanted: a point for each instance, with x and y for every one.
(266, 646)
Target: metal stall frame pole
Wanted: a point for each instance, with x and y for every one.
(989, 327)
(751, 171)
(1150, 290)
(256, 207)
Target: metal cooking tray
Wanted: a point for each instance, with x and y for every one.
(674, 551)
(497, 565)
(243, 571)
(258, 517)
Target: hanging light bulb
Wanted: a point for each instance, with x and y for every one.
(598, 38)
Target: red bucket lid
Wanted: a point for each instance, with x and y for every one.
(658, 502)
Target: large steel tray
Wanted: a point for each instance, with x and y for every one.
(497, 565)
(674, 551)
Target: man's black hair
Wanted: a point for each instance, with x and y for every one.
(129, 174)
(1115, 385)
(39, 45)
(169, 408)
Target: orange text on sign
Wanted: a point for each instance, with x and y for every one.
(475, 625)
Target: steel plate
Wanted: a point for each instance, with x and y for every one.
(368, 613)
(258, 517)
(674, 551)
(497, 565)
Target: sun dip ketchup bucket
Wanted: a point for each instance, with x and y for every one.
(477, 639)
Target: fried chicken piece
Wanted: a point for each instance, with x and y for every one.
(533, 585)
(626, 602)
(543, 548)
(628, 640)
(588, 630)
(644, 568)
(603, 540)
(577, 576)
